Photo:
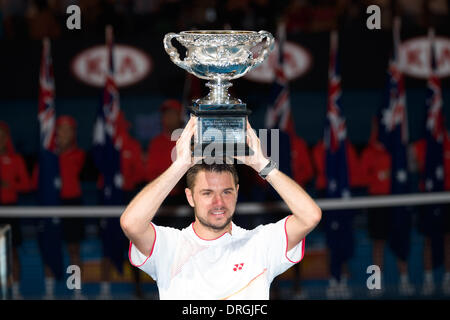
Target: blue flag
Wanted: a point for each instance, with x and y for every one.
(278, 114)
(394, 129)
(335, 133)
(106, 153)
(49, 229)
(338, 224)
(393, 134)
(393, 120)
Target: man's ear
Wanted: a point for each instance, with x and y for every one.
(189, 196)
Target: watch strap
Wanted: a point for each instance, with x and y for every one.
(267, 169)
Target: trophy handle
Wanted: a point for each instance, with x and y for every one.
(172, 51)
(267, 48)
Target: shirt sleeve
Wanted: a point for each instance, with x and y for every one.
(275, 240)
(156, 265)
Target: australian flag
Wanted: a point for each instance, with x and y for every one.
(335, 133)
(393, 134)
(107, 146)
(49, 229)
(278, 114)
(338, 224)
(433, 177)
(394, 127)
(434, 130)
(394, 121)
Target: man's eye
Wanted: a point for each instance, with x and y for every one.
(206, 193)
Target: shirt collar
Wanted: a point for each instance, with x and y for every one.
(224, 237)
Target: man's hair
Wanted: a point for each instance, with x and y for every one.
(219, 168)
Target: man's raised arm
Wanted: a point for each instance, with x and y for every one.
(306, 213)
(135, 220)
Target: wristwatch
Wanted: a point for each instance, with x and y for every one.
(267, 169)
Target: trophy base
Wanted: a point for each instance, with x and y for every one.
(222, 130)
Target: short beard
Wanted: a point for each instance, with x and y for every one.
(214, 227)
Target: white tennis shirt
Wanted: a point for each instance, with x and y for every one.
(240, 265)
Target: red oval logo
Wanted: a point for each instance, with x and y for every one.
(131, 65)
(415, 59)
(297, 61)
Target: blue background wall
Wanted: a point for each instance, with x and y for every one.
(142, 111)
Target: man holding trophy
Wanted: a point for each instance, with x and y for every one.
(213, 258)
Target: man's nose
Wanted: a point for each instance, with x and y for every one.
(218, 201)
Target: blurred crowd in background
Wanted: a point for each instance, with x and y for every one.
(35, 19)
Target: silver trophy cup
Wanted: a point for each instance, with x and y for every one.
(220, 56)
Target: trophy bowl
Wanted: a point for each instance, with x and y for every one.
(219, 56)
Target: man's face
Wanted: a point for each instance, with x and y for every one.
(65, 135)
(213, 198)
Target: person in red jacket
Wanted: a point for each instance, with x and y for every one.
(376, 165)
(302, 167)
(132, 162)
(160, 148)
(71, 162)
(14, 179)
(133, 172)
(355, 176)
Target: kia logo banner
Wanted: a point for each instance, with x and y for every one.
(297, 61)
(415, 60)
(143, 67)
(131, 65)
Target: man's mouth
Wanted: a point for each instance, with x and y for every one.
(217, 212)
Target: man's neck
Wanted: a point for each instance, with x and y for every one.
(207, 233)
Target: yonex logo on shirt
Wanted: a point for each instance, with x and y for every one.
(238, 266)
